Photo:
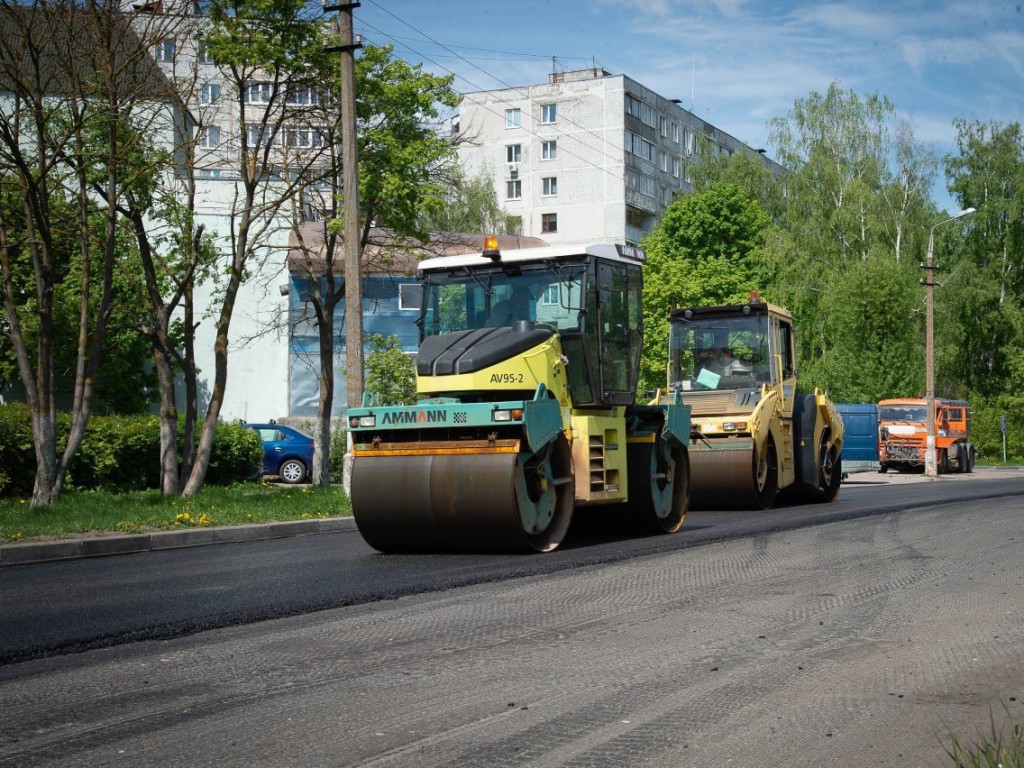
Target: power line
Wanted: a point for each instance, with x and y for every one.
(508, 86)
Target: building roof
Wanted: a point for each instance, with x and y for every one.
(59, 49)
(387, 254)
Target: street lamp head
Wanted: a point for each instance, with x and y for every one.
(965, 212)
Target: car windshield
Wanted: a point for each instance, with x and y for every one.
(916, 413)
(469, 298)
(719, 353)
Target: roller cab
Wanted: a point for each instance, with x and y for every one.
(526, 377)
(755, 433)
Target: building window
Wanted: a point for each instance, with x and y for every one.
(550, 184)
(663, 161)
(689, 141)
(302, 137)
(647, 186)
(410, 295)
(548, 113)
(513, 153)
(675, 167)
(663, 126)
(258, 135)
(514, 190)
(209, 93)
(302, 95)
(639, 146)
(209, 137)
(548, 150)
(549, 222)
(205, 57)
(642, 110)
(258, 93)
(675, 132)
(513, 117)
(208, 173)
(550, 295)
(164, 50)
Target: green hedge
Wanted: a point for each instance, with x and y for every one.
(118, 453)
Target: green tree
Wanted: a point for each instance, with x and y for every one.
(746, 170)
(277, 46)
(855, 214)
(708, 248)
(470, 204)
(68, 74)
(401, 156)
(390, 373)
(870, 326)
(983, 281)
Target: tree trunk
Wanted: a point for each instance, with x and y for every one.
(322, 432)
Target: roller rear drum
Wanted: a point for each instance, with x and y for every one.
(741, 478)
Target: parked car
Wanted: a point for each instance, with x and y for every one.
(287, 452)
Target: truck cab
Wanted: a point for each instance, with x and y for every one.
(903, 434)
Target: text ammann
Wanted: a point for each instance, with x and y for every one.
(415, 417)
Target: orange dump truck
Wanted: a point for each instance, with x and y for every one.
(903, 435)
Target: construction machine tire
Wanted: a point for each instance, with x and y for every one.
(766, 475)
(465, 502)
(830, 469)
(659, 485)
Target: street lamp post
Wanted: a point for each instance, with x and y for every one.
(930, 467)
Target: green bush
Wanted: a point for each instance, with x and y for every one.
(339, 447)
(118, 453)
(17, 454)
(237, 454)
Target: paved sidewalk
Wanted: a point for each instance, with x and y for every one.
(37, 551)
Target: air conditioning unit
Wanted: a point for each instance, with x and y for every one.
(513, 170)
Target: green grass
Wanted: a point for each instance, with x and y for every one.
(999, 748)
(77, 513)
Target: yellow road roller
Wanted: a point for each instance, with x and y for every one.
(526, 375)
(755, 433)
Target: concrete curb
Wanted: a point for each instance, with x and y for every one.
(100, 546)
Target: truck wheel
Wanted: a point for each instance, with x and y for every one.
(766, 475)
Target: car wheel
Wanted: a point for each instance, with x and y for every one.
(292, 471)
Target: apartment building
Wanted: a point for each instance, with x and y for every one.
(282, 118)
(588, 155)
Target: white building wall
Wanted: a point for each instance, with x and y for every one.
(258, 360)
(588, 164)
(257, 381)
(604, 191)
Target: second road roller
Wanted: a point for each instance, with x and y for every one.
(526, 375)
(756, 434)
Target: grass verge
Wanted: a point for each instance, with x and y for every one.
(999, 748)
(94, 512)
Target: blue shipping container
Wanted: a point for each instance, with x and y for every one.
(860, 445)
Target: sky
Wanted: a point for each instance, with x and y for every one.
(735, 63)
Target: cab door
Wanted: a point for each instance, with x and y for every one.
(619, 327)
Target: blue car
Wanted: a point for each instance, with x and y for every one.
(287, 452)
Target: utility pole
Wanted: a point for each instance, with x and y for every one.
(347, 47)
(350, 202)
(930, 458)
